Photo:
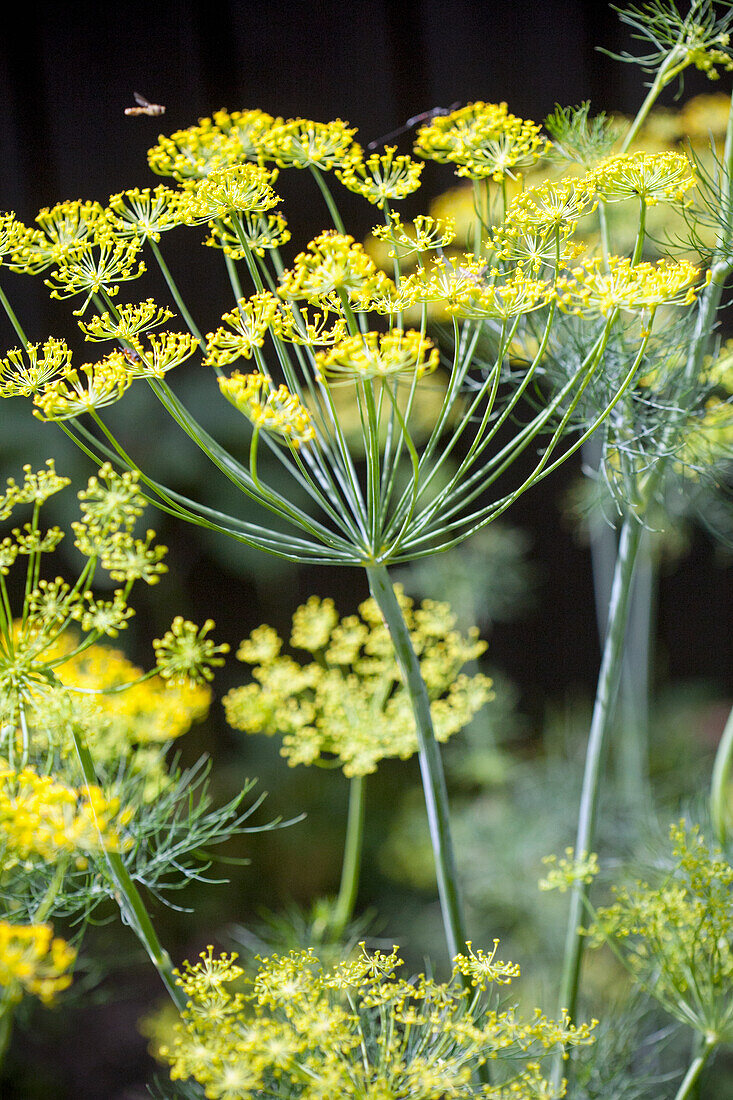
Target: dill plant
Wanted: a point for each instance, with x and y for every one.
(333, 356)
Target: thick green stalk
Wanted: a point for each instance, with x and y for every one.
(128, 896)
(431, 765)
(720, 783)
(685, 1091)
(344, 908)
(608, 682)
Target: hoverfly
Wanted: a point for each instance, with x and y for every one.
(425, 116)
(144, 108)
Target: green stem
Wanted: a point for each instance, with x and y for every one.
(328, 197)
(344, 907)
(7, 1017)
(431, 765)
(175, 292)
(128, 896)
(13, 319)
(608, 682)
(694, 1070)
(720, 782)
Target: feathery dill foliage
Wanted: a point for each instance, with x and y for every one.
(349, 702)
(297, 1029)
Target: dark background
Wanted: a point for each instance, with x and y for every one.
(67, 71)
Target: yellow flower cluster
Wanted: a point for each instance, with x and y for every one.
(147, 212)
(333, 262)
(272, 408)
(24, 373)
(675, 935)
(382, 176)
(129, 321)
(422, 235)
(394, 354)
(259, 232)
(568, 870)
(250, 321)
(358, 1029)
(42, 818)
(599, 287)
(34, 961)
(350, 702)
(653, 177)
(300, 143)
(242, 188)
(78, 390)
(484, 140)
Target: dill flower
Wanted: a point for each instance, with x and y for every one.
(129, 559)
(333, 262)
(554, 204)
(185, 655)
(300, 143)
(250, 321)
(13, 235)
(424, 234)
(653, 177)
(79, 390)
(349, 702)
(129, 321)
(163, 352)
(24, 372)
(675, 935)
(382, 176)
(261, 233)
(33, 960)
(241, 187)
(501, 299)
(444, 281)
(354, 1029)
(193, 153)
(147, 212)
(595, 288)
(41, 817)
(275, 409)
(484, 140)
(318, 328)
(63, 229)
(568, 870)
(95, 266)
(485, 970)
(393, 354)
(247, 128)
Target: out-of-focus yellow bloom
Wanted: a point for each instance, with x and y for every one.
(34, 961)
